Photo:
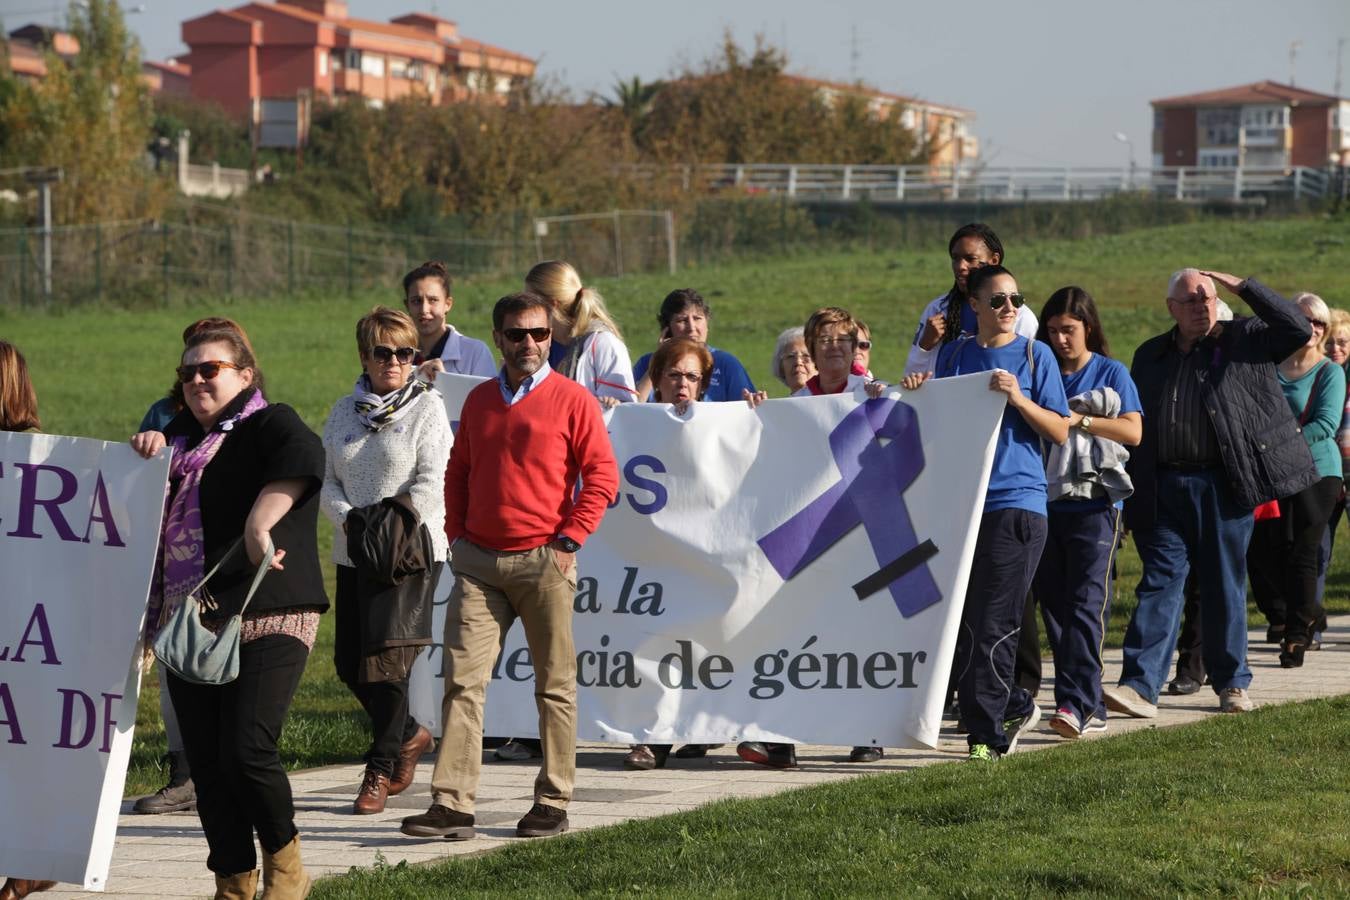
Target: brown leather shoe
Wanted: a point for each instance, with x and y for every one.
(16, 888)
(374, 791)
(405, 767)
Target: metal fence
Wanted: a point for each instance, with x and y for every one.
(218, 252)
(1021, 184)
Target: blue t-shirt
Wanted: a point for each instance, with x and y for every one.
(729, 377)
(1101, 371)
(1017, 480)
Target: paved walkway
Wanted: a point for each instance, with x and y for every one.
(164, 856)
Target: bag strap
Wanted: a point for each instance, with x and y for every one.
(1312, 392)
(268, 552)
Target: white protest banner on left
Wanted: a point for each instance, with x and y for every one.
(79, 527)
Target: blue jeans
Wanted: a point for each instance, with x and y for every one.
(1198, 523)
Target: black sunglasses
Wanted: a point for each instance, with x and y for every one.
(208, 370)
(996, 301)
(383, 354)
(516, 335)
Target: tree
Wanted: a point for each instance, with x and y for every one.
(92, 118)
(633, 101)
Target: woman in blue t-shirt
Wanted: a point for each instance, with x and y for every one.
(1086, 486)
(996, 711)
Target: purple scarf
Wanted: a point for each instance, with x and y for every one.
(182, 556)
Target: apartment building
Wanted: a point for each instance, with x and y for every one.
(277, 52)
(1260, 125)
(947, 127)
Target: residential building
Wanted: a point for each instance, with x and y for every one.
(947, 128)
(170, 78)
(28, 48)
(1260, 125)
(277, 52)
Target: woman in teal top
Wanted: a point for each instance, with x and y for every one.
(1315, 389)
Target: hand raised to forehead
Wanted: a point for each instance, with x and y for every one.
(1229, 282)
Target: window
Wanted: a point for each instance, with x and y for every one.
(1219, 126)
(323, 65)
(372, 65)
(353, 60)
(1218, 159)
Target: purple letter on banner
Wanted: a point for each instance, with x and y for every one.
(870, 494)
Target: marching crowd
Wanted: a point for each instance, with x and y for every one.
(1219, 450)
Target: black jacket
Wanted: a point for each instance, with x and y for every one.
(1264, 454)
(395, 564)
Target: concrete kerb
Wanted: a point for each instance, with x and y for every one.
(159, 856)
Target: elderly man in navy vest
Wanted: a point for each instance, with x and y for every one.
(1219, 439)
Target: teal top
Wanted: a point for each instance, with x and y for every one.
(1323, 413)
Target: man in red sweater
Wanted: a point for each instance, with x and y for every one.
(525, 438)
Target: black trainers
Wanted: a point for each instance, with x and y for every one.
(775, 756)
(440, 821)
(542, 821)
(1017, 726)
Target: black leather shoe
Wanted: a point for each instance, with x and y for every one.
(542, 821)
(775, 756)
(866, 754)
(695, 751)
(440, 821)
(1182, 685)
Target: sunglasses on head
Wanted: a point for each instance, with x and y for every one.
(516, 335)
(208, 370)
(996, 301)
(383, 354)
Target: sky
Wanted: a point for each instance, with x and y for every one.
(1050, 81)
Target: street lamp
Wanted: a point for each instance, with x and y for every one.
(1129, 146)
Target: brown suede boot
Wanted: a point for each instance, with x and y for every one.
(237, 887)
(284, 877)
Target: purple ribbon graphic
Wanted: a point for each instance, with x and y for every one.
(870, 493)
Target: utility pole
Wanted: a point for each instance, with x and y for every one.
(1293, 59)
(1340, 48)
(853, 55)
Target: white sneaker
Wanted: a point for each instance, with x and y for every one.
(1235, 700)
(1016, 727)
(1065, 724)
(1095, 725)
(1125, 699)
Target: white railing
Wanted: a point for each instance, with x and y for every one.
(212, 180)
(941, 183)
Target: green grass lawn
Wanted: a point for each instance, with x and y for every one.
(97, 368)
(1232, 806)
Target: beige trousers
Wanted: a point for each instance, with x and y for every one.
(492, 589)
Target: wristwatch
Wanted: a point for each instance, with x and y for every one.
(1085, 423)
(568, 544)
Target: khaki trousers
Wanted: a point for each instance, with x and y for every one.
(492, 589)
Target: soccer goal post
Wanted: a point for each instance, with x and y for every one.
(610, 243)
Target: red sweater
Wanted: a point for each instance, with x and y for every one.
(511, 482)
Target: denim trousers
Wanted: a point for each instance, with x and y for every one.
(1200, 524)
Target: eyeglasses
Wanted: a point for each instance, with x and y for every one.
(1198, 298)
(691, 377)
(383, 354)
(796, 357)
(864, 345)
(516, 335)
(1339, 342)
(831, 341)
(208, 370)
(996, 301)
(1318, 322)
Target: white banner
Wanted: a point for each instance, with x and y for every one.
(79, 526)
(791, 573)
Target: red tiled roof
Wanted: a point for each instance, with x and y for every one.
(1256, 92)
